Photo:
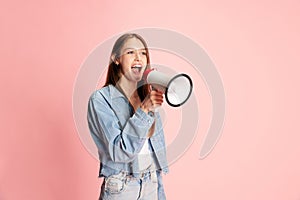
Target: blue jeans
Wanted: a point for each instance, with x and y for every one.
(127, 187)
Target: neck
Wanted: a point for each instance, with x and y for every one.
(128, 87)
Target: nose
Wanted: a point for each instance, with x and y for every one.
(137, 55)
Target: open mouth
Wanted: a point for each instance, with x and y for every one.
(137, 68)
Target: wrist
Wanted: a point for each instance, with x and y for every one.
(144, 108)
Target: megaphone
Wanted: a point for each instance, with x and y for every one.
(177, 88)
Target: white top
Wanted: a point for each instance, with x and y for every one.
(144, 157)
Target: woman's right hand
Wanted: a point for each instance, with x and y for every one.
(152, 101)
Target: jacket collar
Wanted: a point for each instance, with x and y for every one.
(115, 93)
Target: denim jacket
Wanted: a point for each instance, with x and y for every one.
(120, 132)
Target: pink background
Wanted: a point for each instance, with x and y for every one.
(255, 47)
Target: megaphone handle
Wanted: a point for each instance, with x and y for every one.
(152, 88)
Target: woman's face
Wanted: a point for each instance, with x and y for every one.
(133, 59)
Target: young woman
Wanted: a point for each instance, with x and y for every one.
(128, 133)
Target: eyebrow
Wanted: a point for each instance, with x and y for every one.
(134, 48)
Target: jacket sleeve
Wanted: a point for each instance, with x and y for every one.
(121, 143)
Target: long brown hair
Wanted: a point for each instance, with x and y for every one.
(113, 72)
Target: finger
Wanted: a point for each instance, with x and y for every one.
(156, 95)
(156, 92)
(157, 101)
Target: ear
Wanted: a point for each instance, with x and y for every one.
(114, 59)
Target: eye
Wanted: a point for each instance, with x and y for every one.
(144, 53)
(130, 52)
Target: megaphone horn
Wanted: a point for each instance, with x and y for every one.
(177, 88)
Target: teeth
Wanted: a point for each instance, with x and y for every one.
(137, 66)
